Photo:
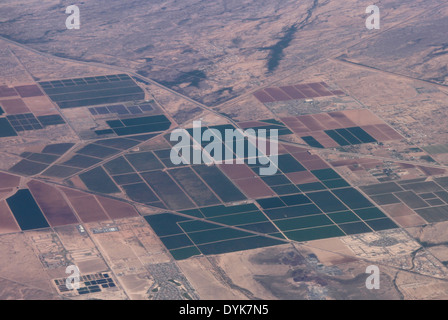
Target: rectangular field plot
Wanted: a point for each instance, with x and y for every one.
(241, 218)
(139, 125)
(117, 209)
(233, 245)
(437, 149)
(219, 183)
(315, 233)
(303, 222)
(193, 185)
(7, 222)
(93, 153)
(144, 161)
(354, 228)
(57, 148)
(167, 190)
(98, 180)
(80, 92)
(6, 91)
(50, 120)
(293, 211)
(326, 201)
(28, 91)
(352, 198)
(6, 130)
(28, 168)
(124, 179)
(26, 211)
(98, 151)
(58, 171)
(86, 206)
(221, 210)
(80, 161)
(434, 214)
(140, 192)
(118, 166)
(52, 203)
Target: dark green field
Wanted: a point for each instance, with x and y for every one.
(6, 130)
(167, 190)
(194, 187)
(98, 180)
(26, 211)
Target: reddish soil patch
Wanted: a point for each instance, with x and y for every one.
(277, 94)
(406, 165)
(362, 117)
(263, 97)
(73, 193)
(342, 163)
(311, 123)
(320, 89)
(7, 92)
(40, 106)
(301, 177)
(302, 131)
(328, 122)
(294, 149)
(305, 156)
(7, 222)
(293, 92)
(372, 165)
(295, 125)
(4, 192)
(307, 91)
(354, 168)
(432, 171)
(292, 122)
(9, 180)
(52, 204)
(14, 106)
(88, 208)
(341, 118)
(29, 91)
(391, 133)
(237, 171)
(410, 221)
(117, 209)
(254, 188)
(398, 210)
(315, 164)
(367, 160)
